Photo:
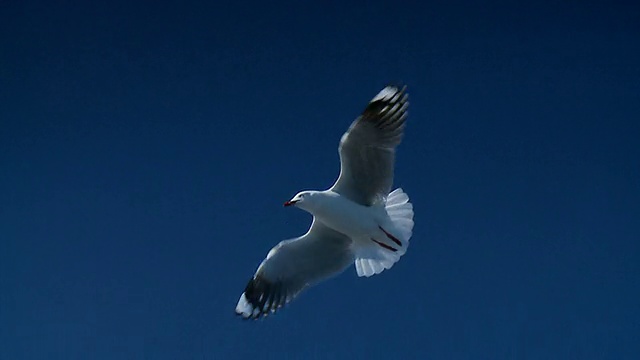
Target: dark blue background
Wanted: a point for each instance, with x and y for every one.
(146, 150)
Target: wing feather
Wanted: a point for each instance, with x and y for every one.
(293, 265)
(367, 149)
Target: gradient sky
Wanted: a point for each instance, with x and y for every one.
(146, 150)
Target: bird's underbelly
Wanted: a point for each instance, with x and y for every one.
(352, 220)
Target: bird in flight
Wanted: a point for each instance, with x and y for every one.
(358, 220)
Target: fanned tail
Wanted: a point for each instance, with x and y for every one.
(375, 255)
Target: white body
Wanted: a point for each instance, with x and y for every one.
(379, 233)
(344, 215)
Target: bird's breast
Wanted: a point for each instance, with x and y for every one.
(347, 217)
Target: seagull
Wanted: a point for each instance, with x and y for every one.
(358, 220)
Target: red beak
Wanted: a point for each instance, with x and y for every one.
(289, 203)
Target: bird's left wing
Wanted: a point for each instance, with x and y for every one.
(292, 266)
(367, 149)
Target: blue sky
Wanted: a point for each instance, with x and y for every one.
(146, 150)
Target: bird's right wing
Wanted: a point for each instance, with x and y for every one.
(292, 266)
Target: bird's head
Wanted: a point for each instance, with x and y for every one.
(303, 200)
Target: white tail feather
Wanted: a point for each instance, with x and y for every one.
(373, 258)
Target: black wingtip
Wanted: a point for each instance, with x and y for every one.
(386, 97)
(260, 298)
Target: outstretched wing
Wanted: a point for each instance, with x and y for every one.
(367, 149)
(292, 266)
